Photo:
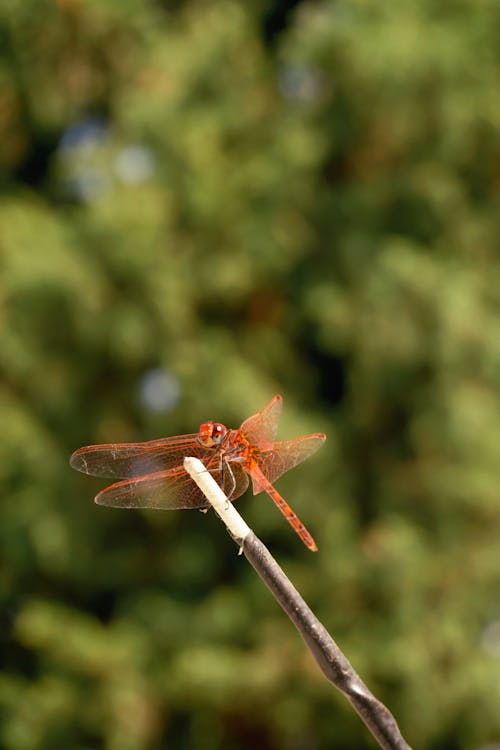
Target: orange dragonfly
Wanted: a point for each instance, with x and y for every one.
(153, 476)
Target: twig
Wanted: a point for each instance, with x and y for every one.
(328, 655)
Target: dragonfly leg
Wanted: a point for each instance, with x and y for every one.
(226, 467)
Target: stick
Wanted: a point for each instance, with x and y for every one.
(332, 662)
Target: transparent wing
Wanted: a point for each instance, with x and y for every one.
(171, 489)
(284, 455)
(263, 426)
(124, 460)
(168, 489)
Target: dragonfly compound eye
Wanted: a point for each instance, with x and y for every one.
(211, 434)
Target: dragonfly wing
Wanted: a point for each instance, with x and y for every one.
(284, 455)
(171, 489)
(124, 460)
(263, 426)
(166, 490)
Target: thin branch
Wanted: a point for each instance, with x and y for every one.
(332, 662)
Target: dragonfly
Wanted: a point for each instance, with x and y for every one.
(152, 474)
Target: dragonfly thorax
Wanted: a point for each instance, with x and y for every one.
(211, 434)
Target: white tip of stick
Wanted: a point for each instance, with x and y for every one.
(217, 499)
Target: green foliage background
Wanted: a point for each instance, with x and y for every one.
(312, 209)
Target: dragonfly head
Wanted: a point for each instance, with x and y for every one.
(211, 434)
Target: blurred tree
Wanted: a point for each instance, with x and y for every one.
(205, 203)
